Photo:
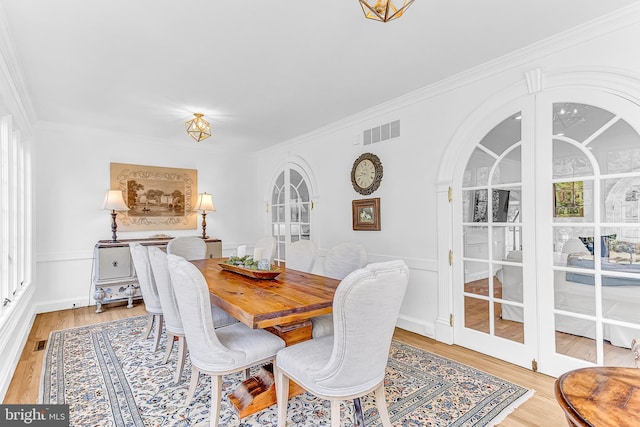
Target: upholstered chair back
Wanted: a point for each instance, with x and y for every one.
(301, 255)
(148, 289)
(160, 268)
(205, 349)
(344, 258)
(365, 310)
(189, 247)
(268, 246)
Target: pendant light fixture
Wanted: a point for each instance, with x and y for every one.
(384, 10)
(198, 128)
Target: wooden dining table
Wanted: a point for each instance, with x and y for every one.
(283, 306)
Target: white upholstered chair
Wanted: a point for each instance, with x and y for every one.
(192, 248)
(268, 246)
(189, 247)
(149, 292)
(341, 260)
(173, 321)
(301, 255)
(351, 362)
(215, 352)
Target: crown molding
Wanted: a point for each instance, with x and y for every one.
(594, 29)
(12, 84)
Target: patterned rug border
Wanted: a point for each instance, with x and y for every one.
(497, 412)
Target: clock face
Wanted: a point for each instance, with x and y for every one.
(366, 173)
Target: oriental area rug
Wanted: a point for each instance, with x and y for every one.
(108, 376)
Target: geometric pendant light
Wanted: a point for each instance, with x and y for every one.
(383, 10)
(198, 128)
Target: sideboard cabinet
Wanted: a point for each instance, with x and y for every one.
(114, 276)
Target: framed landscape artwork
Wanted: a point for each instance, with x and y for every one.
(366, 214)
(568, 199)
(159, 198)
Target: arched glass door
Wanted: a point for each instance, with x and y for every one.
(596, 236)
(290, 210)
(492, 311)
(550, 235)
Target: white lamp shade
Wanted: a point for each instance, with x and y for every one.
(114, 201)
(204, 203)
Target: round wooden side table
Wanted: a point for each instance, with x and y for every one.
(600, 396)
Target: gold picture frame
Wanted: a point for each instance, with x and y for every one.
(159, 198)
(366, 214)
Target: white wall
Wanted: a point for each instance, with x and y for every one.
(72, 175)
(430, 120)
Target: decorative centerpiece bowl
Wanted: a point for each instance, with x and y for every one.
(247, 266)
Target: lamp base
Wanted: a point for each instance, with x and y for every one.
(204, 226)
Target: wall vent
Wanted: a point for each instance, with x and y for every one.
(381, 133)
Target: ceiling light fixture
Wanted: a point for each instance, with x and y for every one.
(198, 128)
(384, 10)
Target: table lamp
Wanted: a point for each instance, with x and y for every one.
(113, 201)
(204, 204)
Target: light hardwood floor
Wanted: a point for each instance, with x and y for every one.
(540, 410)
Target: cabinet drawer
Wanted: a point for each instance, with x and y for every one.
(114, 263)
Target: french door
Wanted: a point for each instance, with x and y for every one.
(549, 233)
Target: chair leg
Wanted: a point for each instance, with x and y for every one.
(182, 351)
(247, 373)
(156, 337)
(150, 319)
(381, 404)
(167, 351)
(358, 415)
(216, 396)
(282, 395)
(335, 413)
(195, 374)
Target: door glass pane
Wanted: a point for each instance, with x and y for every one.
(574, 292)
(478, 286)
(620, 202)
(512, 282)
(617, 149)
(508, 323)
(476, 314)
(508, 170)
(578, 121)
(576, 337)
(504, 135)
(478, 167)
(570, 161)
(305, 209)
(573, 201)
(476, 242)
(570, 240)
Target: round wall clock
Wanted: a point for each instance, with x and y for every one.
(366, 173)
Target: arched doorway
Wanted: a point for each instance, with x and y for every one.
(291, 207)
(546, 276)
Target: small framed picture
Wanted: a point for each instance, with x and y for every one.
(366, 214)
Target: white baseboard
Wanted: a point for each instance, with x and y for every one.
(415, 325)
(64, 304)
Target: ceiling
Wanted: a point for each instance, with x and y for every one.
(261, 72)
